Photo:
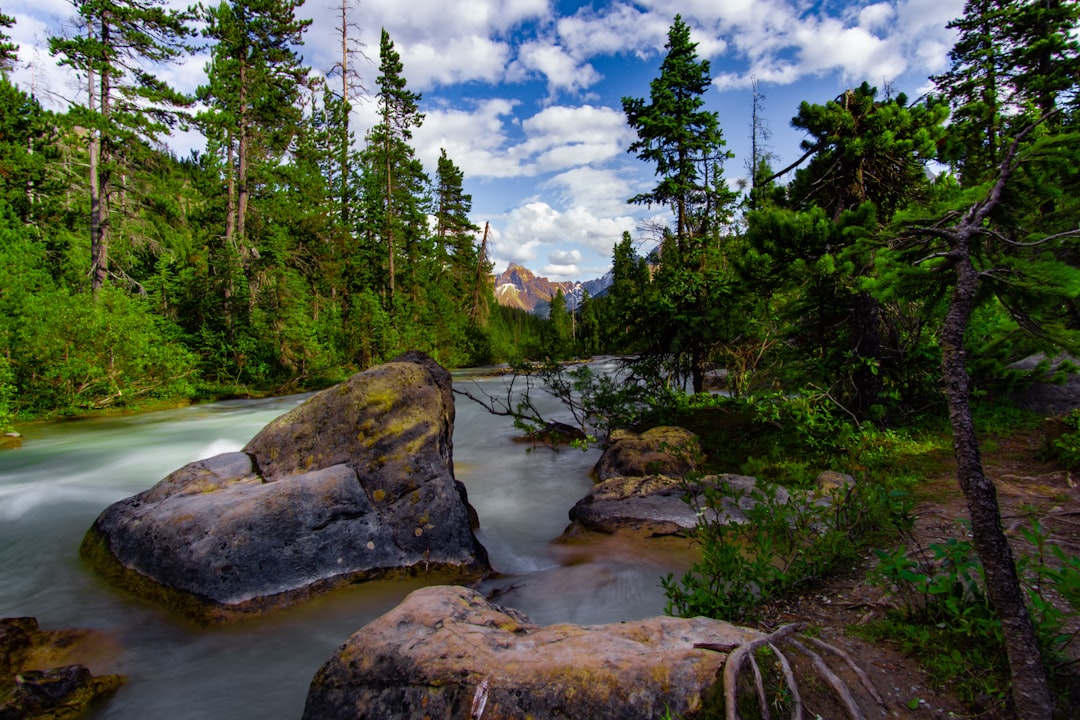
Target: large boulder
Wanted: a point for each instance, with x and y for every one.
(656, 505)
(355, 483)
(664, 450)
(446, 652)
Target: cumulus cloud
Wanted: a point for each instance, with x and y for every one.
(480, 139)
(565, 257)
(562, 71)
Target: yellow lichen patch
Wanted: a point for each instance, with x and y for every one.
(380, 399)
(379, 495)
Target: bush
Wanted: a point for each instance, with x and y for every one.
(944, 618)
(71, 354)
(782, 545)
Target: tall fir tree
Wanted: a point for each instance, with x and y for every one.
(126, 104)
(685, 144)
(681, 139)
(252, 115)
(395, 181)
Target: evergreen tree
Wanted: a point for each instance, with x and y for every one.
(976, 86)
(686, 146)
(868, 159)
(395, 182)
(125, 103)
(683, 141)
(9, 51)
(254, 80)
(28, 147)
(1044, 53)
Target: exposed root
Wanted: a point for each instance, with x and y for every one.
(859, 673)
(792, 686)
(735, 661)
(839, 686)
(787, 634)
(759, 685)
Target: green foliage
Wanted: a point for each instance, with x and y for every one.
(7, 395)
(1066, 448)
(943, 615)
(72, 355)
(784, 543)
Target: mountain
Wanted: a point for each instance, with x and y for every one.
(519, 287)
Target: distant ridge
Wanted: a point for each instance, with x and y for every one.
(519, 287)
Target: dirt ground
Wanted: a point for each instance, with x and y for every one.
(1026, 483)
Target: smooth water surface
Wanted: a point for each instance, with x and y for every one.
(65, 474)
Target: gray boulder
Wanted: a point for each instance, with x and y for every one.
(446, 652)
(1054, 388)
(657, 505)
(354, 484)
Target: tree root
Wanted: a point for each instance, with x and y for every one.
(788, 634)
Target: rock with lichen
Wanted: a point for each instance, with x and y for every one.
(666, 450)
(446, 652)
(356, 483)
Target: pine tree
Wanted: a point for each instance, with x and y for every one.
(1044, 53)
(683, 141)
(9, 51)
(395, 182)
(126, 104)
(686, 146)
(252, 115)
(28, 146)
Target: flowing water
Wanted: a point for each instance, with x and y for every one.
(65, 474)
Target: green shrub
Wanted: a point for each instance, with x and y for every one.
(944, 618)
(782, 545)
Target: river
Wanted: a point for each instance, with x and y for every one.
(66, 473)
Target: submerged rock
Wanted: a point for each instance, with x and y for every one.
(354, 484)
(37, 679)
(446, 652)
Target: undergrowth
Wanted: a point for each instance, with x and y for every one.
(943, 617)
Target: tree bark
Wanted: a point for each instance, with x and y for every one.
(1030, 689)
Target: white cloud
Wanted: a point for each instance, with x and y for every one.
(604, 190)
(619, 29)
(565, 257)
(562, 71)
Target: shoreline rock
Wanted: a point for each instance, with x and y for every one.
(37, 676)
(446, 652)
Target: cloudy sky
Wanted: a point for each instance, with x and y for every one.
(525, 95)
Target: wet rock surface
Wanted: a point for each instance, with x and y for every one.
(354, 484)
(37, 679)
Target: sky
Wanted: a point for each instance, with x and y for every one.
(526, 95)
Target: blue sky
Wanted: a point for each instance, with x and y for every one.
(525, 95)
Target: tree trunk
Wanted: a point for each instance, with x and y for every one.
(866, 351)
(99, 211)
(1030, 690)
